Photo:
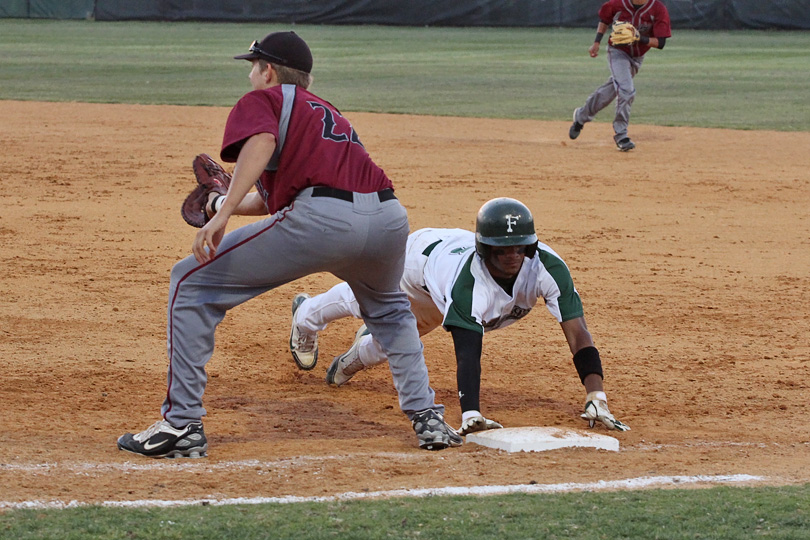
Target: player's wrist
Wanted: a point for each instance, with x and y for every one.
(644, 40)
(218, 203)
(599, 36)
(215, 204)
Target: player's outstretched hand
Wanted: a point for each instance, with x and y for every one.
(209, 236)
(596, 409)
(594, 50)
(477, 423)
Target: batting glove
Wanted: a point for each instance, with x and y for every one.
(477, 423)
(596, 409)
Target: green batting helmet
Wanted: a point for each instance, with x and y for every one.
(504, 222)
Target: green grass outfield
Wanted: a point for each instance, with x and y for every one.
(739, 80)
(718, 513)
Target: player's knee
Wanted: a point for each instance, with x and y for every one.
(182, 268)
(627, 94)
(176, 273)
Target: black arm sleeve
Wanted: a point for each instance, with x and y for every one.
(468, 345)
(661, 42)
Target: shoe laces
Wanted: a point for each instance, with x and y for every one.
(305, 341)
(151, 430)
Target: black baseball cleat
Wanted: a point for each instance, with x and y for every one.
(162, 440)
(576, 127)
(625, 145)
(433, 432)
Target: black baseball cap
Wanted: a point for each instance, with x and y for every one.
(283, 48)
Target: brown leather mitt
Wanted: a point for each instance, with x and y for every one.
(210, 177)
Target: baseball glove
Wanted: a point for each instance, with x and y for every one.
(624, 33)
(211, 177)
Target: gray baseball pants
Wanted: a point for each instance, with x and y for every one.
(619, 86)
(361, 242)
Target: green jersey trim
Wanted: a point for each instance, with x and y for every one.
(461, 299)
(428, 250)
(569, 300)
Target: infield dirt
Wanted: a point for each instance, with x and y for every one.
(691, 254)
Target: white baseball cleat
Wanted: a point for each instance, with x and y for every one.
(344, 367)
(303, 345)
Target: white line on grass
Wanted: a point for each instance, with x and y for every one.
(630, 483)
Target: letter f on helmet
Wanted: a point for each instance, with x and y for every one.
(504, 222)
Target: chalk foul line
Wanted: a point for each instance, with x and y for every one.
(602, 485)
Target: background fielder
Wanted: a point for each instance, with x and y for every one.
(470, 284)
(650, 20)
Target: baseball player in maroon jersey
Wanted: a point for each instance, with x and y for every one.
(331, 209)
(651, 21)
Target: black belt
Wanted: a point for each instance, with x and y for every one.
(342, 194)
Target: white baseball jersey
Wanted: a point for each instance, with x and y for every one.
(465, 293)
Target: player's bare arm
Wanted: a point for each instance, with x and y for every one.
(578, 337)
(251, 205)
(589, 368)
(577, 334)
(601, 28)
(252, 160)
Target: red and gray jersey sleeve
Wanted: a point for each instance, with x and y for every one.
(662, 28)
(608, 11)
(254, 113)
(315, 128)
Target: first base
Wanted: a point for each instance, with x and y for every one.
(539, 439)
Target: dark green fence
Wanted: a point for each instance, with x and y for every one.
(697, 14)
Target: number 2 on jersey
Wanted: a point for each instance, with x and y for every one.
(329, 125)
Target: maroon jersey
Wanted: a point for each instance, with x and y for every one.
(320, 149)
(650, 19)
